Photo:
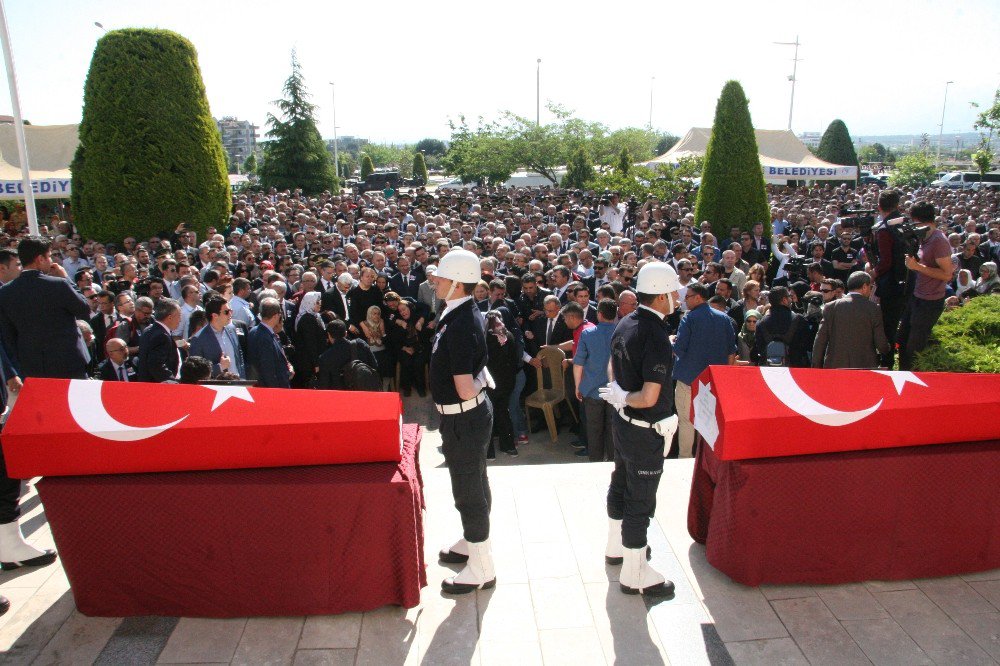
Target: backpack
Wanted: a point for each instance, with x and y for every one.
(776, 352)
(358, 375)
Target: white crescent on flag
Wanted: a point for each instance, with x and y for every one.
(89, 412)
(783, 385)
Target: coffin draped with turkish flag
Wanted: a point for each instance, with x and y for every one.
(763, 412)
(61, 427)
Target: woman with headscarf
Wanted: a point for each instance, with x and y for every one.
(503, 361)
(409, 348)
(747, 337)
(963, 283)
(309, 338)
(373, 332)
(988, 282)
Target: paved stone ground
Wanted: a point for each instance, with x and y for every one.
(555, 601)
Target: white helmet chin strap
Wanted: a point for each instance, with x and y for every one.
(454, 283)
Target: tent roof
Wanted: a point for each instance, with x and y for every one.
(50, 151)
(780, 148)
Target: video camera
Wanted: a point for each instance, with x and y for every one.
(796, 267)
(911, 235)
(861, 218)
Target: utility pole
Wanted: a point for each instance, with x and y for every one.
(336, 154)
(22, 147)
(538, 93)
(651, 82)
(793, 78)
(937, 161)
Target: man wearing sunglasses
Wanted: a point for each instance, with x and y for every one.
(219, 341)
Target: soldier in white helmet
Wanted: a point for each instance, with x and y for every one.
(640, 366)
(459, 380)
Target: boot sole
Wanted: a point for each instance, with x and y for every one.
(448, 557)
(48, 558)
(617, 561)
(662, 590)
(462, 588)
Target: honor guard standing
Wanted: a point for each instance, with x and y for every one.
(641, 362)
(459, 380)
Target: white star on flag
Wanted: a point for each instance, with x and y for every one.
(224, 393)
(900, 378)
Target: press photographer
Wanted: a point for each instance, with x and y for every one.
(933, 269)
(890, 268)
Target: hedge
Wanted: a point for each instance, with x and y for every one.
(966, 339)
(150, 154)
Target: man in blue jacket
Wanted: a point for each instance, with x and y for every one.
(266, 357)
(590, 369)
(219, 341)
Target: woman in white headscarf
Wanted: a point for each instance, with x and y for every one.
(964, 282)
(309, 339)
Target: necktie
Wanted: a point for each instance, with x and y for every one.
(121, 374)
(548, 331)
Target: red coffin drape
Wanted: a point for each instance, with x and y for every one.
(277, 541)
(891, 514)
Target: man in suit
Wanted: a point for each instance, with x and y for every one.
(159, 359)
(103, 321)
(219, 342)
(549, 330)
(335, 300)
(427, 296)
(560, 278)
(40, 338)
(405, 282)
(38, 316)
(851, 334)
(264, 353)
(581, 295)
(336, 357)
(117, 366)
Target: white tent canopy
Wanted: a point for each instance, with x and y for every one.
(50, 152)
(782, 156)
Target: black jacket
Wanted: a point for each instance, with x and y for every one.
(158, 359)
(776, 324)
(333, 361)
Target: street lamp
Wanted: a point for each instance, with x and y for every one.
(101, 26)
(652, 80)
(538, 93)
(336, 153)
(944, 106)
(22, 148)
(792, 78)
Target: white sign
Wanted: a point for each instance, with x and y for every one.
(810, 173)
(45, 188)
(704, 414)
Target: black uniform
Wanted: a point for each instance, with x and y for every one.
(460, 349)
(640, 352)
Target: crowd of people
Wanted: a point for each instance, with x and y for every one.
(294, 289)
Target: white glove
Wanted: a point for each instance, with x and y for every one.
(666, 428)
(614, 395)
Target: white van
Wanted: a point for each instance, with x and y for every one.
(966, 180)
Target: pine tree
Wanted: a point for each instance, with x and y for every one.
(150, 155)
(296, 157)
(579, 171)
(732, 191)
(419, 168)
(624, 162)
(367, 166)
(250, 165)
(836, 146)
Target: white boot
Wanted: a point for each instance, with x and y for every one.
(457, 554)
(15, 552)
(613, 551)
(478, 573)
(637, 577)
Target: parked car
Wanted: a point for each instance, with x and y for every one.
(966, 180)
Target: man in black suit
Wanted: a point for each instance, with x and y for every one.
(38, 316)
(580, 294)
(159, 359)
(336, 357)
(40, 337)
(549, 330)
(268, 363)
(103, 320)
(335, 300)
(405, 282)
(529, 303)
(117, 367)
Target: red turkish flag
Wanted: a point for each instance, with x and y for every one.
(67, 427)
(761, 412)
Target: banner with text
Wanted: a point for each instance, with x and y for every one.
(809, 173)
(45, 188)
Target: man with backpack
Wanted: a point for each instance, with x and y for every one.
(347, 365)
(782, 335)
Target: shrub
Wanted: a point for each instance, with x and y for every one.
(836, 147)
(367, 167)
(150, 154)
(732, 192)
(579, 172)
(966, 339)
(419, 169)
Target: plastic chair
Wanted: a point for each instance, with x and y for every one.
(548, 398)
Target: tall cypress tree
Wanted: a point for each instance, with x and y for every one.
(732, 191)
(836, 146)
(150, 155)
(367, 166)
(579, 170)
(296, 157)
(419, 168)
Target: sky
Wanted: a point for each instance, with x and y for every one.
(403, 69)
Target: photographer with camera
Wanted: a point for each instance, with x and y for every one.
(933, 269)
(890, 269)
(612, 212)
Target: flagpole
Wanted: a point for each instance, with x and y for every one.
(22, 148)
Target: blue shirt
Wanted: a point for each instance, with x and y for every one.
(705, 337)
(593, 354)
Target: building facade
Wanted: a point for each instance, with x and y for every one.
(239, 138)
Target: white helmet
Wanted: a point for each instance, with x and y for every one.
(657, 278)
(460, 266)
